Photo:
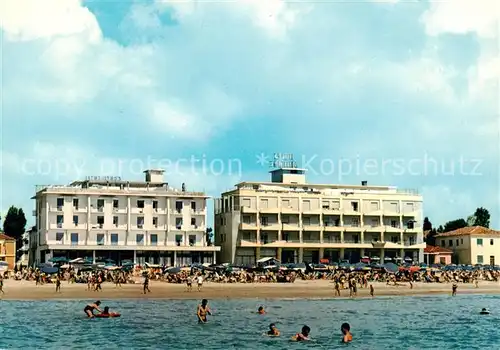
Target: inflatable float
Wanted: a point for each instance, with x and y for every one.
(110, 315)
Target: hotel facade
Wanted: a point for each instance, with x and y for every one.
(145, 222)
(294, 221)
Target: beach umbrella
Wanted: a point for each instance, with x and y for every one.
(58, 260)
(49, 270)
(391, 267)
(414, 268)
(173, 270)
(375, 258)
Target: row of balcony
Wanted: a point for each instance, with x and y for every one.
(329, 227)
(84, 226)
(133, 210)
(334, 242)
(328, 211)
(127, 244)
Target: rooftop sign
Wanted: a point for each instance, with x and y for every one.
(103, 178)
(283, 160)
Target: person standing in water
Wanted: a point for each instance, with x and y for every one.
(89, 309)
(372, 290)
(454, 289)
(346, 333)
(303, 335)
(273, 331)
(203, 311)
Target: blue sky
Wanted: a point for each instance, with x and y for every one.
(400, 93)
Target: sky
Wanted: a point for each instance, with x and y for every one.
(401, 93)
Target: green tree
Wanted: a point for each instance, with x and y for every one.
(482, 217)
(454, 225)
(14, 225)
(440, 229)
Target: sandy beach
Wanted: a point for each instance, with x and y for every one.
(26, 290)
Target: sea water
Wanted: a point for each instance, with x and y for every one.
(433, 322)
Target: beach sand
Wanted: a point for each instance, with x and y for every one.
(26, 290)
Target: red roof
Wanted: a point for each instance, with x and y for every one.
(470, 230)
(5, 237)
(430, 249)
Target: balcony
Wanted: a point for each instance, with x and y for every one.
(311, 227)
(57, 209)
(137, 211)
(331, 227)
(290, 227)
(289, 210)
(352, 228)
(351, 211)
(251, 242)
(377, 212)
(269, 210)
(311, 211)
(198, 212)
(120, 210)
(390, 228)
(248, 226)
(176, 211)
(412, 230)
(391, 212)
(270, 227)
(248, 210)
(374, 228)
(330, 211)
(414, 244)
(411, 214)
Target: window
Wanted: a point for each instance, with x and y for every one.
(264, 203)
(139, 239)
(154, 239)
(115, 203)
(75, 203)
(59, 236)
(492, 260)
(285, 203)
(100, 239)
(193, 206)
(74, 239)
(100, 204)
(140, 204)
(374, 206)
(306, 205)
(192, 240)
(479, 241)
(284, 219)
(450, 243)
(479, 259)
(355, 222)
(394, 239)
(100, 221)
(178, 206)
(461, 241)
(335, 205)
(442, 243)
(155, 205)
(60, 221)
(264, 221)
(155, 221)
(246, 219)
(115, 221)
(456, 242)
(491, 241)
(75, 220)
(246, 202)
(326, 205)
(60, 203)
(306, 221)
(114, 239)
(410, 225)
(178, 239)
(354, 206)
(178, 223)
(394, 223)
(140, 221)
(193, 222)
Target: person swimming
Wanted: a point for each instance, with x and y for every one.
(261, 310)
(89, 309)
(303, 335)
(346, 333)
(203, 311)
(484, 311)
(273, 331)
(105, 313)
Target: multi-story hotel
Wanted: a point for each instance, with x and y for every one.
(146, 222)
(294, 221)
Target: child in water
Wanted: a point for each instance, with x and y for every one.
(303, 335)
(273, 331)
(261, 310)
(346, 331)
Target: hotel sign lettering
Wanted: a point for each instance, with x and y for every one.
(103, 178)
(283, 160)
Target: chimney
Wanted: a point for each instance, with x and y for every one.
(364, 183)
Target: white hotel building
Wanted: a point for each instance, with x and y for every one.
(122, 220)
(294, 221)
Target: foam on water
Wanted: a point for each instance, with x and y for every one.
(434, 322)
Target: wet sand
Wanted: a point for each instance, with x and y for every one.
(26, 290)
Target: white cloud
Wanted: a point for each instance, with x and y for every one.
(463, 16)
(33, 19)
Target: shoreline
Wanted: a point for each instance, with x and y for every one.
(315, 289)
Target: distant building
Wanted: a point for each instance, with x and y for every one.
(141, 221)
(437, 255)
(8, 250)
(472, 245)
(294, 221)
